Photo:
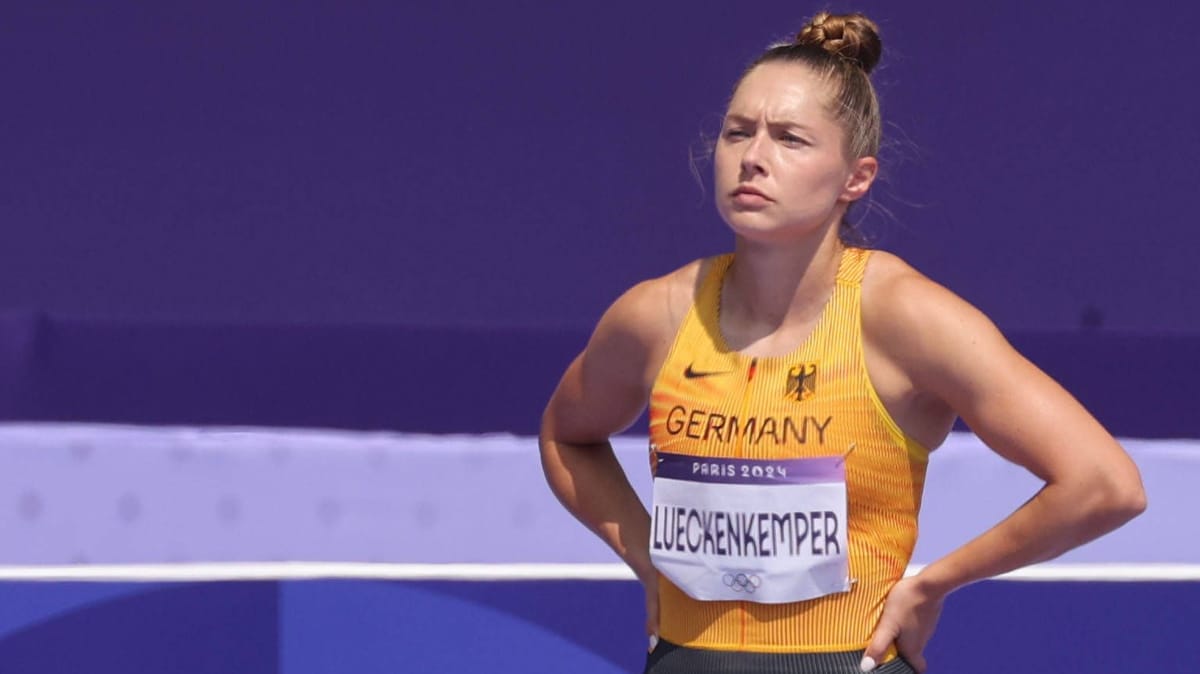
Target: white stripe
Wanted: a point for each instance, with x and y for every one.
(314, 570)
(1098, 573)
(233, 571)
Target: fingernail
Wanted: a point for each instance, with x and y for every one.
(653, 641)
(867, 664)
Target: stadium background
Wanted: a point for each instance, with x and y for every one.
(262, 262)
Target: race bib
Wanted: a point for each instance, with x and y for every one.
(747, 529)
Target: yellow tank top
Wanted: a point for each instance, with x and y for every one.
(709, 400)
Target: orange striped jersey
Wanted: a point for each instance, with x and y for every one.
(711, 401)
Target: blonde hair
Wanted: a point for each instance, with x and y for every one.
(842, 49)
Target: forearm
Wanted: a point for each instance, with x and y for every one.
(1057, 519)
(591, 484)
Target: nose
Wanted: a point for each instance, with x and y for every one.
(753, 152)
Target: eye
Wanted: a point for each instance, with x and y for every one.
(793, 139)
(736, 133)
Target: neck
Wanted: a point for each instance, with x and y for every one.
(773, 284)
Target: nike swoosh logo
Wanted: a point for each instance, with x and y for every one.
(693, 374)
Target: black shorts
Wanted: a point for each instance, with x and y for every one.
(668, 658)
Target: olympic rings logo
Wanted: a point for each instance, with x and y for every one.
(741, 582)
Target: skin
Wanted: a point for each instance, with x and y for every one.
(783, 183)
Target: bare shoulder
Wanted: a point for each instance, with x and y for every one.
(940, 353)
(932, 346)
(608, 384)
(904, 345)
(895, 293)
(908, 315)
(649, 313)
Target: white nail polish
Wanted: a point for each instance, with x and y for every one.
(867, 664)
(653, 641)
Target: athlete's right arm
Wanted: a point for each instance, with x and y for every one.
(602, 392)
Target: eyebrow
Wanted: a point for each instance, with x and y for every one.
(742, 119)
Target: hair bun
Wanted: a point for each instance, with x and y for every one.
(853, 37)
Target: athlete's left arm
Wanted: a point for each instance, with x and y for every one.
(951, 352)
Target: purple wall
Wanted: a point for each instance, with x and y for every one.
(522, 163)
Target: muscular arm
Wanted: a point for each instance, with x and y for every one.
(603, 392)
(952, 352)
(945, 356)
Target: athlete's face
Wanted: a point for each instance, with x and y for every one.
(780, 165)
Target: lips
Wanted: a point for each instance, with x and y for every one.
(749, 191)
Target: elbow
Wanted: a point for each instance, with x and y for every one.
(1124, 499)
(1105, 497)
(1132, 493)
(1132, 501)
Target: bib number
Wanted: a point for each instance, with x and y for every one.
(752, 530)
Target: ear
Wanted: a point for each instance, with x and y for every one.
(862, 174)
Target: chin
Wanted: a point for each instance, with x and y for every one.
(748, 220)
(759, 233)
(761, 230)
